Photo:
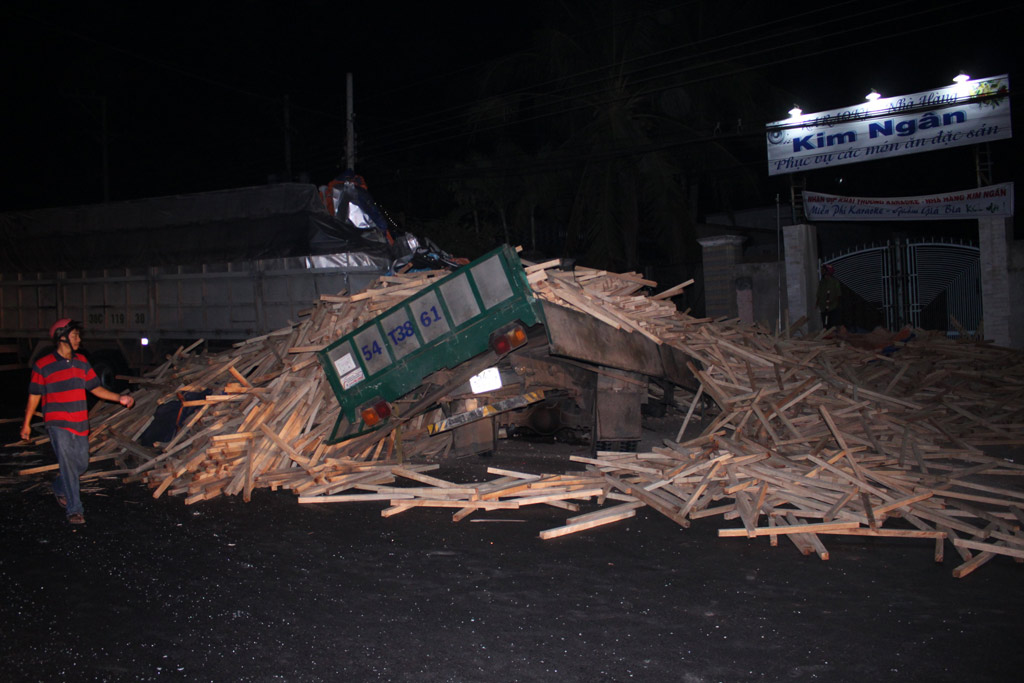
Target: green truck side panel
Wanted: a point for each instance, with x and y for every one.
(441, 326)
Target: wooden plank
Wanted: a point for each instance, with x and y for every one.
(972, 564)
(354, 498)
(613, 514)
(280, 443)
(512, 473)
(811, 538)
(481, 504)
(558, 495)
(705, 480)
(55, 466)
(888, 533)
(812, 528)
(409, 473)
(650, 499)
(600, 514)
(997, 548)
(672, 291)
(553, 263)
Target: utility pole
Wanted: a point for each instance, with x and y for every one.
(287, 140)
(105, 142)
(350, 134)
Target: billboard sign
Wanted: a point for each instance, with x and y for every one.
(980, 202)
(967, 113)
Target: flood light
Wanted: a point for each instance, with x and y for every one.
(962, 85)
(795, 111)
(872, 96)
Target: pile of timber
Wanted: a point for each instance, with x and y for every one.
(815, 436)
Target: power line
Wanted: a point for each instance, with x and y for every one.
(600, 71)
(451, 131)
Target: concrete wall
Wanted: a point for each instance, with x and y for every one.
(751, 291)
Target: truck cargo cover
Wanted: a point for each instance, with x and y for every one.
(249, 223)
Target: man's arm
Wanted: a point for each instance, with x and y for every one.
(108, 395)
(30, 411)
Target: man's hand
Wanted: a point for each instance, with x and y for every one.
(108, 395)
(30, 410)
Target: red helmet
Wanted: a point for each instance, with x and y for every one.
(62, 328)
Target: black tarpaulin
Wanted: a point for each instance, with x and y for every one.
(249, 223)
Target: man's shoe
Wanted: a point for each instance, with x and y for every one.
(77, 518)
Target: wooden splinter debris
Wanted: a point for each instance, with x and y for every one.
(810, 429)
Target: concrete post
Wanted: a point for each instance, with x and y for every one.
(994, 239)
(745, 300)
(720, 256)
(801, 248)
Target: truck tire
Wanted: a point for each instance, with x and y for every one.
(108, 365)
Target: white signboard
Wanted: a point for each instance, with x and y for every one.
(981, 202)
(967, 113)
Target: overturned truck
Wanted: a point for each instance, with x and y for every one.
(503, 359)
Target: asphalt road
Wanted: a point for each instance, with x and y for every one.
(271, 590)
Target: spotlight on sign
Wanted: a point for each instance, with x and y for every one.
(872, 96)
(962, 84)
(795, 111)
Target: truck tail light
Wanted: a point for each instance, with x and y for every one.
(375, 412)
(508, 338)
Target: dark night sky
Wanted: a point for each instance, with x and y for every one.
(193, 93)
(194, 97)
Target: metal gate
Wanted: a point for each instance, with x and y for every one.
(928, 284)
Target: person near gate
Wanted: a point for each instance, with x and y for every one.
(829, 291)
(59, 381)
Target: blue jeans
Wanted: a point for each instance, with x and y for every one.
(73, 457)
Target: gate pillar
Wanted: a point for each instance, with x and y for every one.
(720, 255)
(995, 237)
(801, 249)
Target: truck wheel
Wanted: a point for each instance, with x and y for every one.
(108, 365)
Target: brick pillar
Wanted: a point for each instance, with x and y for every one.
(720, 256)
(801, 247)
(994, 238)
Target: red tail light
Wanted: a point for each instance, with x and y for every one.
(375, 412)
(508, 338)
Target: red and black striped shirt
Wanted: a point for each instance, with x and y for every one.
(62, 383)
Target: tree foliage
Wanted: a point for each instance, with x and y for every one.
(595, 137)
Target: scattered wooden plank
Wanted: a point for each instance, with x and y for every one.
(907, 428)
(607, 516)
(812, 528)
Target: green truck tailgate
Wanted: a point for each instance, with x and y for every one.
(443, 325)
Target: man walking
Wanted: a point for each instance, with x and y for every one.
(59, 382)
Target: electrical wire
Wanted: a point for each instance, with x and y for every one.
(455, 131)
